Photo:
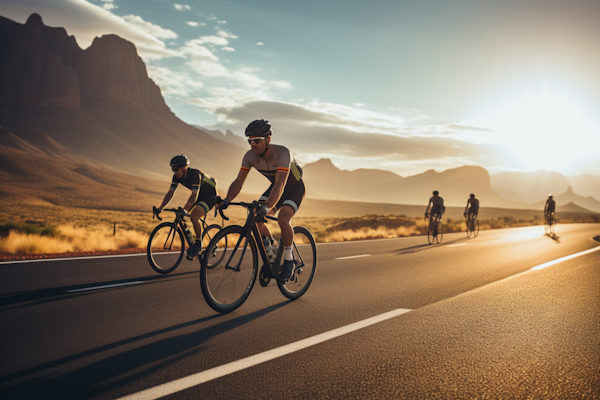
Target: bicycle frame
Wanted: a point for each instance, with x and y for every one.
(252, 232)
(180, 222)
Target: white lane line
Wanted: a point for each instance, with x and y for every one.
(235, 366)
(345, 258)
(104, 286)
(72, 258)
(454, 245)
(559, 260)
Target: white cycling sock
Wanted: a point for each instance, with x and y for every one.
(287, 253)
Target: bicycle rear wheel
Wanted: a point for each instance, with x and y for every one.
(304, 251)
(226, 284)
(476, 231)
(165, 247)
(217, 254)
(440, 232)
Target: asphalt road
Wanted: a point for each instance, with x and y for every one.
(469, 319)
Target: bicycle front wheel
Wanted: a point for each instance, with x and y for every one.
(430, 233)
(216, 255)
(165, 247)
(226, 284)
(304, 251)
(476, 230)
(440, 231)
(469, 231)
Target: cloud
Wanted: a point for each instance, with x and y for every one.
(150, 28)
(86, 21)
(182, 7)
(224, 34)
(260, 44)
(192, 23)
(172, 83)
(216, 40)
(351, 136)
(227, 48)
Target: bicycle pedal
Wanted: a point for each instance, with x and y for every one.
(191, 258)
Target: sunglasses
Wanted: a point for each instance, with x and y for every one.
(175, 169)
(255, 140)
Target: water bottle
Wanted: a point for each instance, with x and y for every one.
(268, 247)
(188, 235)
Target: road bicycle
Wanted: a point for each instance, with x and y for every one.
(436, 228)
(166, 245)
(227, 284)
(472, 225)
(549, 223)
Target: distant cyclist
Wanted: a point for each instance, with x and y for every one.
(550, 206)
(204, 194)
(285, 192)
(437, 206)
(472, 205)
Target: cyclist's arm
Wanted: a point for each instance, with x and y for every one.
(467, 206)
(167, 198)
(277, 191)
(191, 202)
(236, 186)
(427, 209)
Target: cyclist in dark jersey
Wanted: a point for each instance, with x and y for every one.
(472, 205)
(550, 205)
(285, 193)
(437, 207)
(204, 194)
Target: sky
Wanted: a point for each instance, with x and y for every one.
(406, 86)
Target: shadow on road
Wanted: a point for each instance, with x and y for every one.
(427, 246)
(553, 237)
(128, 366)
(62, 293)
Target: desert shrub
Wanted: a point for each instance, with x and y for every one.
(27, 228)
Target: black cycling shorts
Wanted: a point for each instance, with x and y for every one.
(292, 196)
(207, 200)
(472, 210)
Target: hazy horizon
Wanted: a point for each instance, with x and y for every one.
(510, 86)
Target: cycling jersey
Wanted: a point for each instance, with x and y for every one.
(550, 206)
(437, 206)
(280, 160)
(473, 206)
(202, 185)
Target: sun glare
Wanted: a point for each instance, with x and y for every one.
(546, 130)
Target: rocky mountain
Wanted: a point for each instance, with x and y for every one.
(325, 180)
(586, 185)
(530, 186)
(97, 107)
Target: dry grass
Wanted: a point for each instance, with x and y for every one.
(72, 239)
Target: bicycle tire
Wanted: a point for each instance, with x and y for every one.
(476, 231)
(440, 232)
(552, 227)
(469, 231)
(162, 251)
(304, 250)
(226, 289)
(217, 255)
(430, 232)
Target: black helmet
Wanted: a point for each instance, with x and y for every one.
(260, 127)
(436, 192)
(472, 195)
(180, 161)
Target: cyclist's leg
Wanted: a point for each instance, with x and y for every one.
(262, 227)
(288, 206)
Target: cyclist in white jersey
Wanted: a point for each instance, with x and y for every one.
(285, 193)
